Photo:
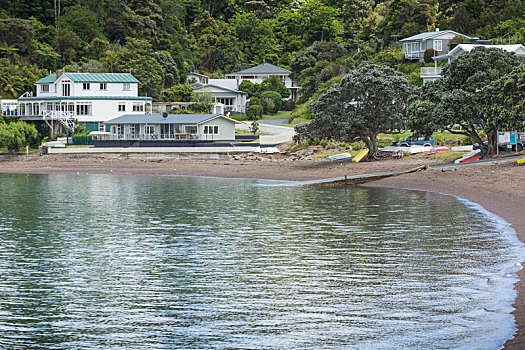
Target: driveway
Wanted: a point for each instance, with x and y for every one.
(276, 121)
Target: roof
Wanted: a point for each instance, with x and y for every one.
(92, 78)
(200, 86)
(198, 74)
(57, 98)
(428, 35)
(517, 48)
(265, 68)
(170, 119)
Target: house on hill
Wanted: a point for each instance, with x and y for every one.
(226, 92)
(90, 98)
(433, 73)
(414, 47)
(258, 73)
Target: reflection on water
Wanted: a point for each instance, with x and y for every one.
(156, 262)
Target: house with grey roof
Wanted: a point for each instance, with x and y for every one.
(414, 47)
(433, 73)
(172, 127)
(226, 92)
(91, 98)
(258, 73)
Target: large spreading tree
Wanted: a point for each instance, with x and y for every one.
(473, 88)
(369, 100)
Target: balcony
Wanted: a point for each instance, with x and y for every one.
(430, 73)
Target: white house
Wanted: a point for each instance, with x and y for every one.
(433, 73)
(91, 98)
(258, 73)
(172, 127)
(226, 92)
(414, 47)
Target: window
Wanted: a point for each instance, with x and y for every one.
(150, 129)
(101, 127)
(126, 87)
(84, 109)
(422, 46)
(211, 129)
(103, 86)
(225, 101)
(44, 88)
(138, 107)
(438, 45)
(86, 86)
(134, 130)
(66, 90)
(167, 131)
(122, 107)
(117, 129)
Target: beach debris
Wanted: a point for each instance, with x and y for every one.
(340, 156)
(267, 150)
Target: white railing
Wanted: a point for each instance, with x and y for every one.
(412, 55)
(162, 137)
(65, 118)
(431, 71)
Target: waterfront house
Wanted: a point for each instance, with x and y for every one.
(433, 73)
(90, 98)
(8, 107)
(172, 127)
(414, 47)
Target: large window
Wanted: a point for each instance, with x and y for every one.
(66, 89)
(225, 101)
(138, 107)
(103, 86)
(134, 130)
(122, 107)
(438, 45)
(211, 129)
(422, 46)
(86, 86)
(167, 131)
(84, 109)
(44, 88)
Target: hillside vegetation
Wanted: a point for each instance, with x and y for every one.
(159, 41)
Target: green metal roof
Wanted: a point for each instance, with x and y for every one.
(56, 98)
(92, 78)
(51, 78)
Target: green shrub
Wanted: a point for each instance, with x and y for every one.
(254, 112)
(239, 117)
(275, 97)
(356, 146)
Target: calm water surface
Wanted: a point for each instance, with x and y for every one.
(129, 262)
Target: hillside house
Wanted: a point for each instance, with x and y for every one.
(414, 47)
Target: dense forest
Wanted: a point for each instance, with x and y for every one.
(159, 41)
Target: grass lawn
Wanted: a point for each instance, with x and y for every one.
(299, 120)
(280, 114)
(20, 151)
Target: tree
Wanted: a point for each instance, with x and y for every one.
(16, 33)
(82, 22)
(368, 100)
(178, 93)
(15, 135)
(274, 83)
(67, 43)
(271, 101)
(171, 72)
(254, 127)
(137, 56)
(463, 97)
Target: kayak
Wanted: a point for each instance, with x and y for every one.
(360, 155)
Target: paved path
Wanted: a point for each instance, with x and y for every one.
(276, 121)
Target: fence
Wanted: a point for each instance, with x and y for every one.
(80, 140)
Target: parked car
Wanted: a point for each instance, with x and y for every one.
(419, 140)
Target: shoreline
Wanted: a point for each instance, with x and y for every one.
(497, 187)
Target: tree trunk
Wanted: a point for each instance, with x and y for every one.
(371, 143)
(492, 138)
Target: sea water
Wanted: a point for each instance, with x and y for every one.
(137, 262)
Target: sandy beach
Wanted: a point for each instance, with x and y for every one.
(498, 187)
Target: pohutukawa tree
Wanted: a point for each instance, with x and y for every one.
(474, 93)
(369, 100)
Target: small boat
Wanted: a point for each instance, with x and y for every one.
(360, 155)
(436, 150)
(470, 157)
(340, 156)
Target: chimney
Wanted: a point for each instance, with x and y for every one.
(59, 73)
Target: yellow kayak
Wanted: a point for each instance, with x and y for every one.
(360, 155)
(521, 161)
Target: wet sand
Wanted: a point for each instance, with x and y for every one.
(497, 187)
